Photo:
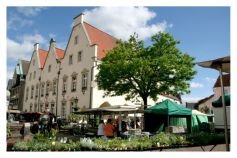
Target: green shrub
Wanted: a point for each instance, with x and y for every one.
(9, 133)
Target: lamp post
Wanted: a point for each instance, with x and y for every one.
(39, 90)
(57, 86)
(95, 60)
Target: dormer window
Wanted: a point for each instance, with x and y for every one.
(79, 56)
(49, 68)
(76, 40)
(70, 59)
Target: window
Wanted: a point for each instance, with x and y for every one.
(70, 60)
(34, 75)
(47, 88)
(84, 81)
(46, 106)
(42, 90)
(30, 75)
(64, 86)
(54, 87)
(41, 107)
(32, 92)
(76, 40)
(79, 56)
(63, 110)
(30, 108)
(49, 68)
(36, 91)
(35, 107)
(74, 83)
(52, 108)
(27, 93)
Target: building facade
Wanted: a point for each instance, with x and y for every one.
(65, 81)
(205, 105)
(17, 85)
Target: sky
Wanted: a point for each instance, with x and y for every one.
(204, 32)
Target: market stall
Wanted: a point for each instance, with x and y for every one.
(166, 114)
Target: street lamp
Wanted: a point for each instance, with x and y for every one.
(57, 87)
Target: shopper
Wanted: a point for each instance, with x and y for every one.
(109, 129)
(101, 129)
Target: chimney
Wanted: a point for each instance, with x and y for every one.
(36, 46)
(52, 42)
(79, 19)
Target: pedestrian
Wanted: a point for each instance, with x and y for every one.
(109, 129)
(101, 128)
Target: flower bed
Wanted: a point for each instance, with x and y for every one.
(135, 143)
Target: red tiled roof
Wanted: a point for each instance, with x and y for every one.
(226, 81)
(103, 40)
(60, 53)
(42, 57)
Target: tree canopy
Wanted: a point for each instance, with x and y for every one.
(134, 70)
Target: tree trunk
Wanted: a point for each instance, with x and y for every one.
(145, 101)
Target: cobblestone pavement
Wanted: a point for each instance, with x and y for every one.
(219, 147)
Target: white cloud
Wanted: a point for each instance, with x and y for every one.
(10, 71)
(209, 79)
(121, 22)
(191, 99)
(30, 11)
(52, 35)
(14, 22)
(196, 85)
(23, 50)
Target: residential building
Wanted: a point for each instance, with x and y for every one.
(16, 86)
(205, 105)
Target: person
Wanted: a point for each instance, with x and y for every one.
(101, 127)
(109, 129)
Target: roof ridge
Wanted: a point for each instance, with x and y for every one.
(101, 30)
(59, 48)
(43, 49)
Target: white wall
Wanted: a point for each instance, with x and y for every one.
(219, 118)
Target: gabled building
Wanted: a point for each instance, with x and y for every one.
(41, 78)
(65, 81)
(205, 105)
(17, 85)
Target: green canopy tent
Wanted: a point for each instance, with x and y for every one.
(168, 113)
(218, 102)
(198, 119)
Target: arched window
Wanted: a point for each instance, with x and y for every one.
(64, 84)
(36, 90)
(32, 92)
(42, 89)
(74, 82)
(63, 110)
(47, 88)
(54, 86)
(27, 93)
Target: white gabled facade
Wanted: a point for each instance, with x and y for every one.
(74, 72)
(31, 95)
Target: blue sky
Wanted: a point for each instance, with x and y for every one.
(204, 32)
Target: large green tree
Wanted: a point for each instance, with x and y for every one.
(134, 70)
